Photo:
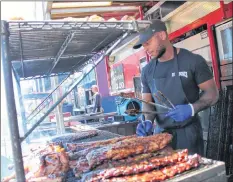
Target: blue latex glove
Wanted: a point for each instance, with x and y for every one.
(144, 128)
(180, 113)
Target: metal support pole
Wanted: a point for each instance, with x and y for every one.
(11, 108)
(75, 92)
(21, 52)
(62, 50)
(78, 81)
(141, 18)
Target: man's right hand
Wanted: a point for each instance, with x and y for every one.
(144, 128)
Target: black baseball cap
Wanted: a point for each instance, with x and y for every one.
(146, 34)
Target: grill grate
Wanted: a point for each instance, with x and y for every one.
(34, 46)
(219, 146)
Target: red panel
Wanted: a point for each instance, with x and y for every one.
(131, 67)
(222, 7)
(141, 12)
(228, 10)
(213, 49)
(108, 70)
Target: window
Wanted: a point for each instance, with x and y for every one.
(47, 83)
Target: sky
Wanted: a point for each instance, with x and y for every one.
(8, 10)
(13, 8)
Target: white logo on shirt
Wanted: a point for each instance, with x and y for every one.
(184, 74)
(181, 73)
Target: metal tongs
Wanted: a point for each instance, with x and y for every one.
(153, 104)
(164, 100)
(134, 112)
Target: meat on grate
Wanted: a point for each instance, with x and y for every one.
(155, 175)
(81, 146)
(129, 147)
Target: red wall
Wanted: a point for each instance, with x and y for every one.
(131, 67)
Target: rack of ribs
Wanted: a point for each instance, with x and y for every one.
(81, 146)
(81, 165)
(129, 147)
(79, 168)
(155, 175)
(146, 165)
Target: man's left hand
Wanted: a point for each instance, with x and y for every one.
(180, 113)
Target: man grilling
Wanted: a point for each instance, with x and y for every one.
(179, 75)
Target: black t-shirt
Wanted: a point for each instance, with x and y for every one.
(192, 67)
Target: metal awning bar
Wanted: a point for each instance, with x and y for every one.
(74, 67)
(73, 86)
(69, 25)
(62, 50)
(53, 58)
(43, 76)
(21, 53)
(154, 8)
(94, 10)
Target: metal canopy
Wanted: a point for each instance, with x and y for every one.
(52, 47)
(30, 46)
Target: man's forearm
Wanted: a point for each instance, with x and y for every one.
(206, 100)
(148, 107)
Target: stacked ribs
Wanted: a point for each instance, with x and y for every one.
(159, 174)
(153, 169)
(129, 159)
(128, 147)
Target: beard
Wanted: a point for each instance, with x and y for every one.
(161, 53)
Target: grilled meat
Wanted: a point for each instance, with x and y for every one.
(81, 146)
(51, 164)
(130, 160)
(82, 166)
(82, 153)
(129, 147)
(146, 165)
(155, 175)
(44, 178)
